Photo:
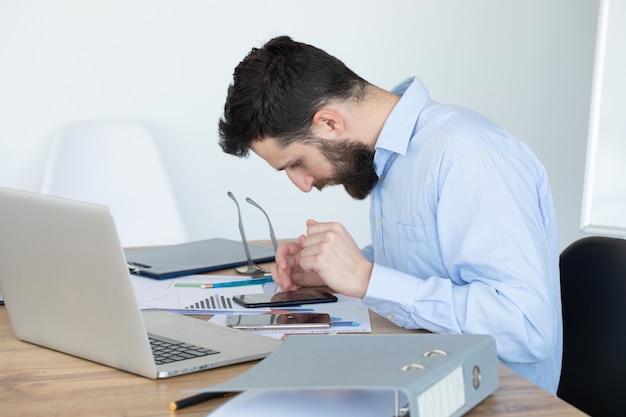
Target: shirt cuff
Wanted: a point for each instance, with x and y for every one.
(392, 294)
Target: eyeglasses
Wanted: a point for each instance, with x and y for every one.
(251, 268)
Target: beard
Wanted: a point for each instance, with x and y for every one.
(353, 167)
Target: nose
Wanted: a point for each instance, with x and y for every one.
(303, 181)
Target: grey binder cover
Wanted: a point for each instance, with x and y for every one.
(163, 262)
(461, 370)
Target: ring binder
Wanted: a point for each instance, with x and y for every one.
(410, 366)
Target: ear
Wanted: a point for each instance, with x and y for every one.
(327, 123)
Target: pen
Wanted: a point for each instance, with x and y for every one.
(225, 284)
(197, 399)
(345, 323)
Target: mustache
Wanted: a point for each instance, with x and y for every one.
(321, 184)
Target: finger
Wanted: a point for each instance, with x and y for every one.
(286, 251)
(321, 229)
(282, 278)
(311, 222)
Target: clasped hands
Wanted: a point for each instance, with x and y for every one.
(326, 256)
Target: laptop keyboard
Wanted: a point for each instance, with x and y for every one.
(167, 350)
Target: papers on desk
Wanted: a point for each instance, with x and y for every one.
(164, 295)
(349, 315)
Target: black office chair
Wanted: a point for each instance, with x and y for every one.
(593, 293)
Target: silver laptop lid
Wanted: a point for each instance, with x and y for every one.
(65, 281)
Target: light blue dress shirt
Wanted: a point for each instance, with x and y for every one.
(464, 234)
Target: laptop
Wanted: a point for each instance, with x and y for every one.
(66, 286)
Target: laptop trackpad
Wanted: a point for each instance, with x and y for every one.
(171, 325)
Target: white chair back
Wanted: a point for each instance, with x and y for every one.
(116, 163)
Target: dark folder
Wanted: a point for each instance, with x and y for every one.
(163, 262)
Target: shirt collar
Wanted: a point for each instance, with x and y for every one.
(400, 124)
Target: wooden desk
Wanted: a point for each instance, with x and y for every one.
(35, 381)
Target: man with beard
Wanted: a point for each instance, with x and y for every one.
(464, 235)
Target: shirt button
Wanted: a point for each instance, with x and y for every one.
(389, 317)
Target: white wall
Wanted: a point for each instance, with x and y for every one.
(525, 63)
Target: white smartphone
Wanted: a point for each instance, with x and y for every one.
(279, 321)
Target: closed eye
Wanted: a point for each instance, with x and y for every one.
(294, 164)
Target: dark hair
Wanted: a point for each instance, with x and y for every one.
(277, 90)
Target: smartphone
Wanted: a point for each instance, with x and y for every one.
(279, 321)
(284, 299)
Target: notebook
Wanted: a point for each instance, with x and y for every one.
(66, 287)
